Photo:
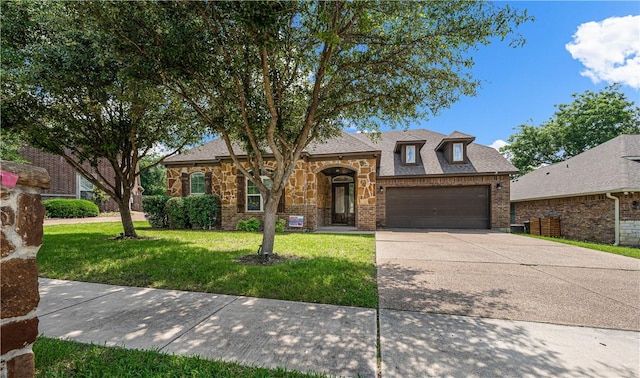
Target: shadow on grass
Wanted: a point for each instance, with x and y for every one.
(202, 261)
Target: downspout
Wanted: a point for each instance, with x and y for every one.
(617, 217)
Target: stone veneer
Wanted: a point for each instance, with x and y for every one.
(22, 215)
(499, 197)
(307, 192)
(589, 218)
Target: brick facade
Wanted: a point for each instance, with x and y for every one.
(590, 218)
(22, 216)
(64, 178)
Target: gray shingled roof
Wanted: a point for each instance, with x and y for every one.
(216, 149)
(613, 166)
(482, 159)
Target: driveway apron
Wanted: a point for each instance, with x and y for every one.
(480, 303)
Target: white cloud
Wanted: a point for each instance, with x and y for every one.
(498, 143)
(609, 50)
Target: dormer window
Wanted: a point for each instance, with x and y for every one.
(409, 151)
(458, 152)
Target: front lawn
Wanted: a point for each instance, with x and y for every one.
(618, 250)
(59, 358)
(328, 268)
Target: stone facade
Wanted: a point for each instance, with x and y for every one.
(499, 193)
(22, 216)
(308, 190)
(590, 218)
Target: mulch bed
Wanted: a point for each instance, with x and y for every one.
(274, 259)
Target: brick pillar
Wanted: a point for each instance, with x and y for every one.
(22, 215)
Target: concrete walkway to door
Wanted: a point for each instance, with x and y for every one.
(456, 303)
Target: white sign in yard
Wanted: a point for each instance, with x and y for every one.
(296, 220)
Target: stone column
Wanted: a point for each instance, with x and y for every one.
(22, 215)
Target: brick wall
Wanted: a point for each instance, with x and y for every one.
(499, 197)
(589, 218)
(22, 215)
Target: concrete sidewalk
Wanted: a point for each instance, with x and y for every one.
(135, 215)
(336, 340)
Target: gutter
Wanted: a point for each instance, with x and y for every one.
(617, 217)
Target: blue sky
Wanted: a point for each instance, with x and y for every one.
(522, 85)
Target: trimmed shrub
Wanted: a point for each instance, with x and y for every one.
(177, 213)
(251, 225)
(70, 208)
(202, 210)
(281, 225)
(154, 210)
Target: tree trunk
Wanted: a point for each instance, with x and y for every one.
(269, 233)
(125, 215)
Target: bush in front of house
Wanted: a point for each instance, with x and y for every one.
(177, 213)
(281, 225)
(252, 225)
(154, 210)
(70, 208)
(202, 211)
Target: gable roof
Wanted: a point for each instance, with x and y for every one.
(482, 159)
(613, 166)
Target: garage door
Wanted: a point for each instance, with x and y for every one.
(438, 207)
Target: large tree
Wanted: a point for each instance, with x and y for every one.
(71, 95)
(591, 119)
(274, 76)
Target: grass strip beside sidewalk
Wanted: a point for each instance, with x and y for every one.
(317, 268)
(60, 358)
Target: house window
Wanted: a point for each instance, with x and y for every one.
(197, 183)
(458, 152)
(85, 188)
(410, 154)
(255, 201)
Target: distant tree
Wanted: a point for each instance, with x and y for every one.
(71, 95)
(154, 179)
(591, 119)
(272, 76)
(10, 144)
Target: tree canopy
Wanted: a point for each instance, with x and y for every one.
(72, 95)
(272, 76)
(591, 119)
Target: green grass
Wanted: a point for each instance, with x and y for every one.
(618, 250)
(59, 358)
(332, 269)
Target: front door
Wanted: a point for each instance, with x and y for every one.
(343, 210)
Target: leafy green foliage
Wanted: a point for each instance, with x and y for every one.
(98, 196)
(202, 210)
(70, 208)
(72, 94)
(177, 214)
(591, 119)
(62, 358)
(327, 268)
(250, 225)
(154, 210)
(281, 225)
(10, 144)
(153, 177)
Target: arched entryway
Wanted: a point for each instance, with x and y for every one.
(337, 196)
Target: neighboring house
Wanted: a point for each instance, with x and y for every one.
(66, 182)
(595, 194)
(414, 178)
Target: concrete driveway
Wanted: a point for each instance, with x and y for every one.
(505, 276)
(482, 304)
